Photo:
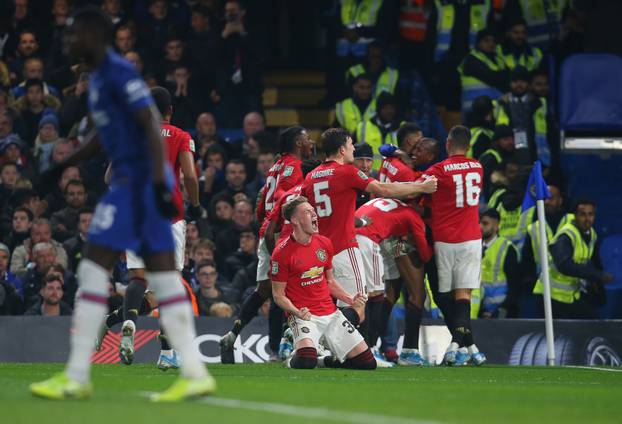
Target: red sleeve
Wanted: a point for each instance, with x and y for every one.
(417, 229)
(186, 143)
(261, 204)
(433, 170)
(356, 178)
(279, 265)
(290, 180)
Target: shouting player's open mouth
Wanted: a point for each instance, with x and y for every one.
(314, 224)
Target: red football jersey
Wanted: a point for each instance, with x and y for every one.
(303, 268)
(393, 218)
(177, 141)
(393, 170)
(284, 174)
(455, 204)
(276, 215)
(332, 189)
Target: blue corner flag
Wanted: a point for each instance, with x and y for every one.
(536, 187)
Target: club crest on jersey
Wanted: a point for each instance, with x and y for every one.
(321, 254)
(313, 272)
(289, 170)
(275, 268)
(362, 175)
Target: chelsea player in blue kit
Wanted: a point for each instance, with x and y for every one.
(135, 214)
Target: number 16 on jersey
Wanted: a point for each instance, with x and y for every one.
(467, 188)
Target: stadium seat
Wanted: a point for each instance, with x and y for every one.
(611, 256)
(590, 103)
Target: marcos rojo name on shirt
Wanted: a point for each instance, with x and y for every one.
(461, 165)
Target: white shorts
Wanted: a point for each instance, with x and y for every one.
(372, 263)
(335, 331)
(179, 235)
(263, 264)
(459, 265)
(387, 250)
(349, 272)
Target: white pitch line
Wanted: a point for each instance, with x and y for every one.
(309, 412)
(594, 368)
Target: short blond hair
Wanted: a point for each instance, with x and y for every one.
(220, 310)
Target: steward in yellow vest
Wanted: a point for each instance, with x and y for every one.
(384, 78)
(482, 72)
(358, 108)
(480, 120)
(575, 275)
(359, 19)
(381, 129)
(516, 51)
(500, 276)
(495, 158)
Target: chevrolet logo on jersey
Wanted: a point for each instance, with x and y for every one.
(316, 271)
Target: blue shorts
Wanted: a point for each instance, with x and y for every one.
(127, 218)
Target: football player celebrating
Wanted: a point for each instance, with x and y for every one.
(385, 223)
(271, 225)
(332, 189)
(303, 285)
(457, 241)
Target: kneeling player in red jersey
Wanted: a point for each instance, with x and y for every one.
(303, 285)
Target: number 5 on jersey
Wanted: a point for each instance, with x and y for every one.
(472, 181)
(323, 205)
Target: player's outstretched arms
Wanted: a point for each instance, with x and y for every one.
(402, 190)
(283, 302)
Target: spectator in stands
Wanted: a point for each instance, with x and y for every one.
(188, 98)
(526, 115)
(384, 78)
(253, 123)
(480, 121)
(242, 257)
(229, 241)
(46, 140)
(235, 176)
(10, 302)
(113, 9)
(9, 174)
(381, 128)
(240, 84)
(515, 49)
(204, 249)
(56, 199)
(207, 134)
(43, 257)
(556, 218)
(482, 71)
(358, 108)
(495, 158)
(51, 303)
(174, 56)
(21, 223)
(265, 160)
(32, 106)
(223, 213)
(125, 39)
(192, 233)
(7, 121)
(221, 310)
(213, 178)
(74, 106)
(208, 291)
(500, 274)
(202, 40)
(40, 232)
(56, 56)
(576, 274)
(155, 29)
(6, 276)
(75, 245)
(27, 47)
(33, 69)
(63, 148)
(540, 84)
(28, 198)
(13, 150)
(262, 141)
(65, 221)
(359, 23)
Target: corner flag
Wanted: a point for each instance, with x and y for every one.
(536, 187)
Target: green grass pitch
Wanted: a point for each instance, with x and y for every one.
(270, 394)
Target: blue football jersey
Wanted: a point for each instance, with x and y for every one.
(116, 92)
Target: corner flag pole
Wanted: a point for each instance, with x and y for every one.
(546, 296)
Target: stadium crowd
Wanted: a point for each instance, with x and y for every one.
(485, 59)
